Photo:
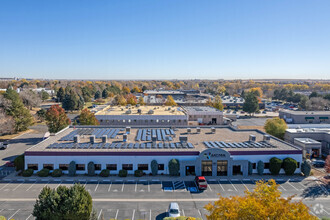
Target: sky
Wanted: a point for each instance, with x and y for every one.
(165, 39)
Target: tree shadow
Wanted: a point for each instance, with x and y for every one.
(161, 216)
(313, 192)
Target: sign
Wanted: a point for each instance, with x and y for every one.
(211, 155)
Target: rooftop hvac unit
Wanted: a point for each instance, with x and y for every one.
(139, 111)
(92, 139)
(267, 138)
(128, 130)
(188, 130)
(104, 138)
(154, 138)
(252, 138)
(128, 112)
(150, 112)
(125, 137)
(198, 130)
(76, 138)
(213, 129)
(183, 139)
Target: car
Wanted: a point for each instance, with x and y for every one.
(173, 210)
(318, 163)
(201, 182)
(234, 112)
(228, 111)
(264, 112)
(10, 164)
(3, 145)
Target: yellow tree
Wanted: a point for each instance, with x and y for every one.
(170, 101)
(141, 101)
(218, 103)
(264, 202)
(257, 91)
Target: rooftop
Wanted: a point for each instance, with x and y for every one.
(307, 141)
(306, 112)
(308, 130)
(200, 109)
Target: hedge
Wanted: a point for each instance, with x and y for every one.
(138, 173)
(122, 173)
(43, 173)
(91, 169)
(250, 168)
(57, 173)
(289, 166)
(19, 162)
(105, 173)
(154, 167)
(260, 167)
(275, 165)
(72, 168)
(27, 173)
(174, 167)
(306, 168)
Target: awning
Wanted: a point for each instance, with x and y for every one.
(323, 117)
(309, 118)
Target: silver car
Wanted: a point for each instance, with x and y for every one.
(173, 210)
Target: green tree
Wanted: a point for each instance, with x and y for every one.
(154, 167)
(60, 94)
(275, 165)
(174, 167)
(251, 104)
(44, 95)
(289, 166)
(19, 162)
(70, 101)
(303, 103)
(97, 95)
(21, 115)
(306, 168)
(276, 127)
(170, 101)
(86, 117)
(105, 93)
(56, 119)
(91, 169)
(72, 168)
(260, 167)
(41, 114)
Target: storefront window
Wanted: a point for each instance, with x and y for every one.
(222, 167)
(127, 166)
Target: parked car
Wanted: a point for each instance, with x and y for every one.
(264, 112)
(173, 210)
(228, 111)
(10, 164)
(242, 112)
(201, 182)
(318, 163)
(3, 145)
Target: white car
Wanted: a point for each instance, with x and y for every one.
(173, 210)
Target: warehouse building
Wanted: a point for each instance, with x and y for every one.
(305, 117)
(220, 151)
(204, 115)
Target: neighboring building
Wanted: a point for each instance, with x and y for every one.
(232, 102)
(220, 151)
(204, 115)
(311, 148)
(321, 135)
(140, 115)
(305, 117)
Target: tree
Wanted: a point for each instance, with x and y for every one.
(174, 167)
(170, 101)
(218, 103)
(30, 99)
(19, 162)
(154, 167)
(70, 101)
(251, 104)
(275, 165)
(250, 168)
(105, 93)
(120, 100)
(60, 94)
(44, 95)
(141, 101)
(86, 117)
(276, 127)
(21, 115)
(63, 203)
(7, 123)
(327, 164)
(264, 202)
(126, 90)
(306, 168)
(289, 166)
(41, 114)
(91, 169)
(313, 94)
(131, 99)
(72, 168)
(260, 167)
(257, 91)
(97, 95)
(56, 119)
(303, 103)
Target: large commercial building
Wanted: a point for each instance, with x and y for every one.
(305, 117)
(204, 115)
(219, 151)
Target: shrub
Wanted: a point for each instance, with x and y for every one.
(122, 173)
(91, 169)
(250, 168)
(289, 166)
(57, 173)
(72, 168)
(19, 162)
(275, 165)
(306, 168)
(43, 173)
(2, 217)
(138, 173)
(105, 173)
(27, 173)
(260, 167)
(154, 167)
(174, 167)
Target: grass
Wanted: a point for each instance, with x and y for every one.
(11, 136)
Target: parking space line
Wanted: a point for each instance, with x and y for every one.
(5, 185)
(302, 185)
(199, 212)
(282, 187)
(99, 214)
(117, 214)
(183, 212)
(221, 186)
(18, 186)
(28, 217)
(109, 186)
(150, 215)
(292, 185)
(133, 214)
(44, 186)
(31, 186)
(135, 186)
(98, 182)
(14, 214)
(58, 185)
(245, 186)
(122, 188)
(148, 186)
(233, 185)
(208, 186)
(326, 211)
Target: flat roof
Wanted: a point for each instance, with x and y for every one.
(307, 141)
(123, 110)
(307, 113)
(308, 130)
(167, 139)
(200, 109)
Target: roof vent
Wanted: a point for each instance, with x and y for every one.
(188, 130)
(252, 138)
(198, 130)
(125, 137)
(104, 138)
(150, 112)
(128, 130)
(92, 139)
(76, 139)
(267, 138)
(213, 130)
(183, 139)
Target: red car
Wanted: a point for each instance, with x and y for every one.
(10, 164)
(201, 182)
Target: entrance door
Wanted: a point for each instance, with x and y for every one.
(237, 170)
(190, 170)
(315, 152)
(222, 166)
(214, 121)
(206, 168)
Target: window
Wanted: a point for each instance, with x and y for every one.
(298, 164)
(32, 166)
(161, 166)
(49, 166)
(254, 165)
(266, 165)
(142, 166)
(112, 166)
(101, 120)
(97, 166)
(80, 166)
(64, 166)
(127, 166)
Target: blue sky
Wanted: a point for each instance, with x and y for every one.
(165, 39)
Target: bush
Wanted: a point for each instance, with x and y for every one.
(138, 173)
(289, 166)
(19, 162)
(154, 167)
(174, 167)
(27, 173)
(250, 168)
(57, 173)
(43, 173)
(260, 167)
(275, 165)
(122, 173)
(91, 169)
(105, 173)
(2, 217)
(306, 168)
(72, 168)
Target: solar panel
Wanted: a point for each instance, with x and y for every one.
(153, 132)
(166, 145)
(148, 138)
(219, 144)
(123, 146)
(136, 145)
(172, 132)
(190, 145)
(170, 138)
(207, 144)
(167, 132)
(163, 134)
(130, 146)
(148, 145)
(138, 136)
(172, 145)
(142, 145)
(99, 146)
(144, 135)
(106, 146)
(213, 144)
(160, 145)
(184, 145)
(115, 133)
(159, 137)
(118, 146)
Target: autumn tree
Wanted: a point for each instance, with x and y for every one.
(218, 103)
(251, 104)
(327, 164)
(30, 99)
(264, 202)
(86, 117)
(131, 99)
(276, 127)
(257, 91)
(170, 101)
(141, 101)
(126, 90)
(56, 119)
(44, 95)
(120, 100)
